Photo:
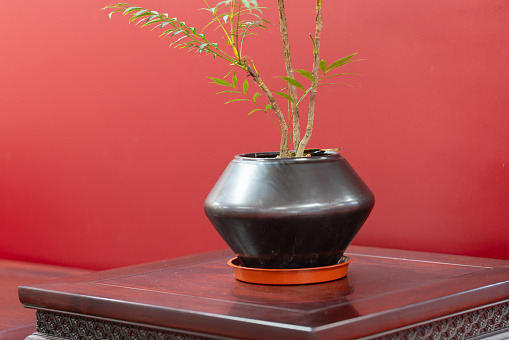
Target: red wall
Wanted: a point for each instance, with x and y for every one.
(110, 141)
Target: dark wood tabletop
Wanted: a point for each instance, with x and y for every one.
(17, 322)
(387, 293)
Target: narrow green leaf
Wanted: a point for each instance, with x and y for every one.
(245, 86)
(237, 100)
(228, 91)
(254, 111)
(306, 74)
(134, 17)
(322, 65)
(115, 11)
(167, 32)
(314, 45)
(256, 95)
(340, 62)
(339, 74)
(284, 95)
(246, 3)
(131, 9)
(234, 80)
(336, 84)
(176, 41)
(151, 22)
(221, 82)
(294, 83)
(267, 107)
(142, 12)
(202, 46)
(212, 10)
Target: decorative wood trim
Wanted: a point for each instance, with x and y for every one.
(490, 320)
(65, 326)
(475, 324)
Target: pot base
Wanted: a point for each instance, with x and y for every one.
(290, 276)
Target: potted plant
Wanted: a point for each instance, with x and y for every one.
(295, 208)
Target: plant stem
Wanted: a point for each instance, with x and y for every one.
(283, 26)
(284, 152)
(228, 36)
(237, 31)
(299, 152)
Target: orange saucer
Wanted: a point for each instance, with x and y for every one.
(290, 276)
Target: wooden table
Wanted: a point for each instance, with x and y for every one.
(388, 294)
(17, 322)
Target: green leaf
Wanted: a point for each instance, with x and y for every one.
(228, 91)
(237, 100)
(294, 83)
(323, 65)
(314, 45)
(151, 22)
(306, 74)
(111, 13)
(245, 86)
(131, 9)
(256, 95)
(202, 46)
(340, 62)
(251, 4)
(176, 41)
(221, 82)
(254, 111)
(234, 80)
(167, 32)
(212, 10)
(267, 107)
(284, 95)
(336, 84)
(140, 14)
(339, 74)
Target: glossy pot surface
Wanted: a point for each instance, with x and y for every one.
(289, 212)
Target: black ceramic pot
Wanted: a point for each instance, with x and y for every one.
(289, 212)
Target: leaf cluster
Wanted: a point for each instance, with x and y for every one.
(236, 18)
(243, 92)
(185, 36)
(306, 74)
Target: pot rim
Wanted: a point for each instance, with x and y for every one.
(292, 276)
(270, 157)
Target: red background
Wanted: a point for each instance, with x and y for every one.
(110, 141)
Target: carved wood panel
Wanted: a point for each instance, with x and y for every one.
(469, 325)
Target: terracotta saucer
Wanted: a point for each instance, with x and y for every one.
(290, 276)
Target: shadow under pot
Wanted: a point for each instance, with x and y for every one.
(283, 213)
